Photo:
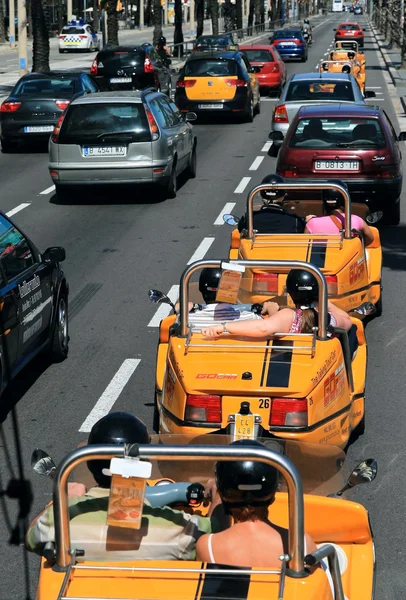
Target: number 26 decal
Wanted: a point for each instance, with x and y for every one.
(264, 403)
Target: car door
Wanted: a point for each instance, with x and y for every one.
(172, 130)
(281, 63)
(29, 281)
(394, 138)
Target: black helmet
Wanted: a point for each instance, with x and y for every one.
(325, 66)
(351, 55)
(162, 40)
(208, 284)
(346, 69)
(302, 287)
(115, 428)
(272, 195)
(333, 199)
(242, 483)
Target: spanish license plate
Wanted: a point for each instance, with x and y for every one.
(121, 80)
(38, 128)
(211, 106)
(336, 165)
(287, 45)
(90, 151)
(244, 426)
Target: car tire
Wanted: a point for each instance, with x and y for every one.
(169, 90)
(258, 106)
(392, 214)
(155, 418)
(60, 51)
(59, 344)
(170, 188)
(304, 58)
(249, 114)
(8, 147)
(62, 192)
(192, 167)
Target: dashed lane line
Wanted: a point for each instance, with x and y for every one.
(164, 309)
(48, 190)
(111, 393)
(242, 185)
(17, 209)
(266, 146)
(258, 160)
(201, 250)
(226, 210)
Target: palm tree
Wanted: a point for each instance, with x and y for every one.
(40, 30)
(2, 27)
(95, 15)
(110, 6)
(214, 13)
(199, 17)
(178, 33)
(257, 11)
(157, 21)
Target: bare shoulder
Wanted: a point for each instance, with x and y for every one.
(202, 548)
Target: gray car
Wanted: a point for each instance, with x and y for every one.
(305, 89)
(122, 138)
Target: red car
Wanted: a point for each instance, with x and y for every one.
(354, 143)
(272, 76)
(350, 31)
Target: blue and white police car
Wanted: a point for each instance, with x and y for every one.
(78, 36)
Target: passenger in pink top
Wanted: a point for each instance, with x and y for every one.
(334, 220)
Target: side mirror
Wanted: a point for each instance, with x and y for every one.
(365, 472)
(370, 94)
(364, 30)
(190, 116)
(42, 463)
(231, 219)
(334, 29)
(158, 297)
(276, 136)
(54, 254)
(374, 217)
(402, 136)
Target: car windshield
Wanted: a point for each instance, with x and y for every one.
(91, 122)
(299, 91)
(349, 27)
(212, 41)
(121, 58)
(259, 55)
(338, 132)
(210, 68)
(287, 33)
(47, 86)
(67, 30)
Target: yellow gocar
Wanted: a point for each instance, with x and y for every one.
(338, 65)
(340, 528)
(352, 270)
(294, 386)
(349, 50)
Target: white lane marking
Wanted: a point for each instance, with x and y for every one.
(17, 209)
(376, 87)
(110, 394)
(48, 190)
(266, 146)
(374, 99)
(242, 185)
(201, 250)
(258, 160)
(226, 210)
(164, 309)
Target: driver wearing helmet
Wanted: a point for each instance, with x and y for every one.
(272, 217)
(165, 534)
(333, 220)
(163, 50)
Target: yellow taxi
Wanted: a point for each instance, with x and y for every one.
(352, 269)
(304, 386)
(219, 83)
(338, 64)
(342, 566)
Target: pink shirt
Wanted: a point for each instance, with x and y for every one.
(327, 225)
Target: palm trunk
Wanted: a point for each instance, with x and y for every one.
(257, 11)
(40, 30)
(239, 14)
(2, 24)
(61, 20)
(178, 33)
(96, 21)
(199, 17)
(112, 23)
(251, 15)
(214, 13)
(157, 21)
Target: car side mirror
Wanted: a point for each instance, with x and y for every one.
(370, 94)
(276, 136)
(334, 29)
(158, 297)
(231, 219)
(42, 463)
(365, 472)
(190, 116)
(374, 217)
(402, 136)
(54, 254)
(364, 30)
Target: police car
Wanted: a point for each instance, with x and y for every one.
(33, 302)
(78, 35)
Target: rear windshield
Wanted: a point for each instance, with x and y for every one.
(121, 58)
(73, 30)
(320, 90)
(338, 132)
(259, 55)
(102, 123)
(349, 27)
(287, 33)
(210, 68)
(46, 87)
(212, 41)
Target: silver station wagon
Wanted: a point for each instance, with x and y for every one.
(122, 138)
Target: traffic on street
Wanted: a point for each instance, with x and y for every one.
(107, 315)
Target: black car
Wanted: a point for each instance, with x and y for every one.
(131, 68)
(36, 103)
(33, 300)
(215, 42)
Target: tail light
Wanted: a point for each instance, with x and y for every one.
(280, 114)
(288, 171)
(289, 412)
(332, 285)
(236, 82)
(57, 129)
(298, 43)
(62, 37)
(152, 124)
(188, 83)
(62, 104)
(275, 68)
(358, 32)
(265, 282)
(148, 66)
(94, 68)
(9, 106)
(387, 172)
(205, 409)
(82, 37)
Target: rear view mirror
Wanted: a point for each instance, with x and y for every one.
(42, 463)
(158, 297)
(402, 136)
(190, 116)
(334, 29)
(370, 94)
(365, 472)
(54, 254)
(374, 217)
(276, 136)
(230, 219)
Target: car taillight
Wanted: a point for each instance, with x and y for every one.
(288, 412)
(83, 37)
(280, 114)
(387, 172)
(236, 82)
(298, 42)
(57, 129)
(332, 285)
(288, 171)
(265, 282)
(94, 68)
(275, 68)
(152, 124)
(148, 66)
(358, 32)
(62, 37)
(62, 104)
(201, 408)
(10, 106)
(188, 83)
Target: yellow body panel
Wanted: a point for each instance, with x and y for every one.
(326, 520)
(356, 70)
(211, 88)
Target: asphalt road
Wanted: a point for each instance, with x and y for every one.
(120, 243)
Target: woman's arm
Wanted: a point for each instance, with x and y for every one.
(279, 322)
(368, 235)
(342, 318)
